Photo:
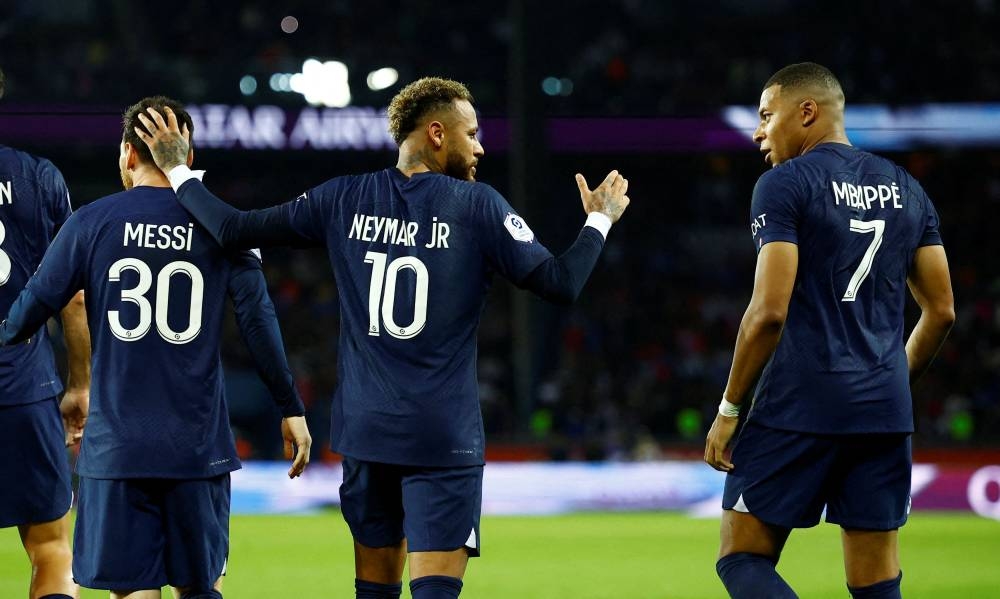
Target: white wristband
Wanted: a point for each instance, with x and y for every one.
(730, 410)
(181, 173)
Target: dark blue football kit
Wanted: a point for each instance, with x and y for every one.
(157, 451)
(35, 472)
(413, 258)
(831, 416)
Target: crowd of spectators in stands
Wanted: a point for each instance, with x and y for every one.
(638, 364)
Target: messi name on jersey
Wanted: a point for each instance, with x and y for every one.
(382, 229)
(159, 237)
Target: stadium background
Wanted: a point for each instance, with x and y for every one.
(633, 371)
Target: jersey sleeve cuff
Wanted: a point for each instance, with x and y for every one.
(599, 221)
(181, 173)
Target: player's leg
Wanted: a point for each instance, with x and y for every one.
(777, 484)
(118, 542)
(870, 504)
(37, 492)
(442, 507)
(372, 505)
(48, 549)
(196, 529)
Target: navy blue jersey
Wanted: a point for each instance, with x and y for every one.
(155, 287)
(413, 259)
(858, 219)
(34, 203)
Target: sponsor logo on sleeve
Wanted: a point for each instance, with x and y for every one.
(518, 229)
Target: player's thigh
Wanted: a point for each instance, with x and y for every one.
(371, 502)
(34, 473)
(118, 543)
(443, 507)
(780, 477)
(873, 490)
(196, 529)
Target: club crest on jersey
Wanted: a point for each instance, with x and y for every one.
(518, 229)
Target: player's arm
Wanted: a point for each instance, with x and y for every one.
(560, 280)
(930, 284)
(26, 316)
(258, 325)
(293, 223)
(75, 403)
(760, 330)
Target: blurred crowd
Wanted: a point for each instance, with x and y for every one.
(611, 56)
(639, 363)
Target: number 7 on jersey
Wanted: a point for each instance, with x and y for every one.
(862, 226)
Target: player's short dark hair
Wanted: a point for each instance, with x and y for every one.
(418, 99)
(805, 74)
(3, 83)
(130, 120)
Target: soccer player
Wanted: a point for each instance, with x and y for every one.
(155, 461)
(840, 234)
(35, 472)
(413, 250)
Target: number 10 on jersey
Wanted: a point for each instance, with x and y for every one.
(383, 293)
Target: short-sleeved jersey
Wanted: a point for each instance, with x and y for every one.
(34, 203)
(858, 219)
(413, 259)
(155, 287)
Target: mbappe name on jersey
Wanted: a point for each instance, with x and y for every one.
(382, 229)
(863, 196)
(159, 237)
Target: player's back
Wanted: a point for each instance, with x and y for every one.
(857, 218)
(34, 203)
(155, 287)
(413, 259)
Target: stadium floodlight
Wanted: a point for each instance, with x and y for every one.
(248, 85)
(322, 83)
(382, 78)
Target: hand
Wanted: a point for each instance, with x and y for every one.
(74, 407)
(718, 439)
(168, 144)
(609, 198)
(297, 442)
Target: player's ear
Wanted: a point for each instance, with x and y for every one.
(435, 134)
(809, 110)
(131, 156)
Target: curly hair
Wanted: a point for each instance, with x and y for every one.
(418, 99)
(130, 120)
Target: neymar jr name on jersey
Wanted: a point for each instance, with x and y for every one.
(159, 237)
(382, 229)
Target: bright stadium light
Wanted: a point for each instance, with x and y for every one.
(323, 83)
(551, 86)
(248, 85)
(382, 78)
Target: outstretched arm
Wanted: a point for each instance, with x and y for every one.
(231, 228)
(760, 331)
(930, 284)
(262, 336)
(560, 280)
(75, 403)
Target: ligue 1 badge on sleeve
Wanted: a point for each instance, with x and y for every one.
(518, 229)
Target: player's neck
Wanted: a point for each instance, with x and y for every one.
(834, 135)
(415, 159)
(144, 176)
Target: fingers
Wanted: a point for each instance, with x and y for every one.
(610, 179)
(715, 457)
(187, 134)
(301, 459)
(158, 118)
(171, 118)
(581, 184)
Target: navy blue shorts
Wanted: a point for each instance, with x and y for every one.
(786, 478)
(34, 470)
(135, 534)
(435, 509)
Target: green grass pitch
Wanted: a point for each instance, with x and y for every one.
(588, 556)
